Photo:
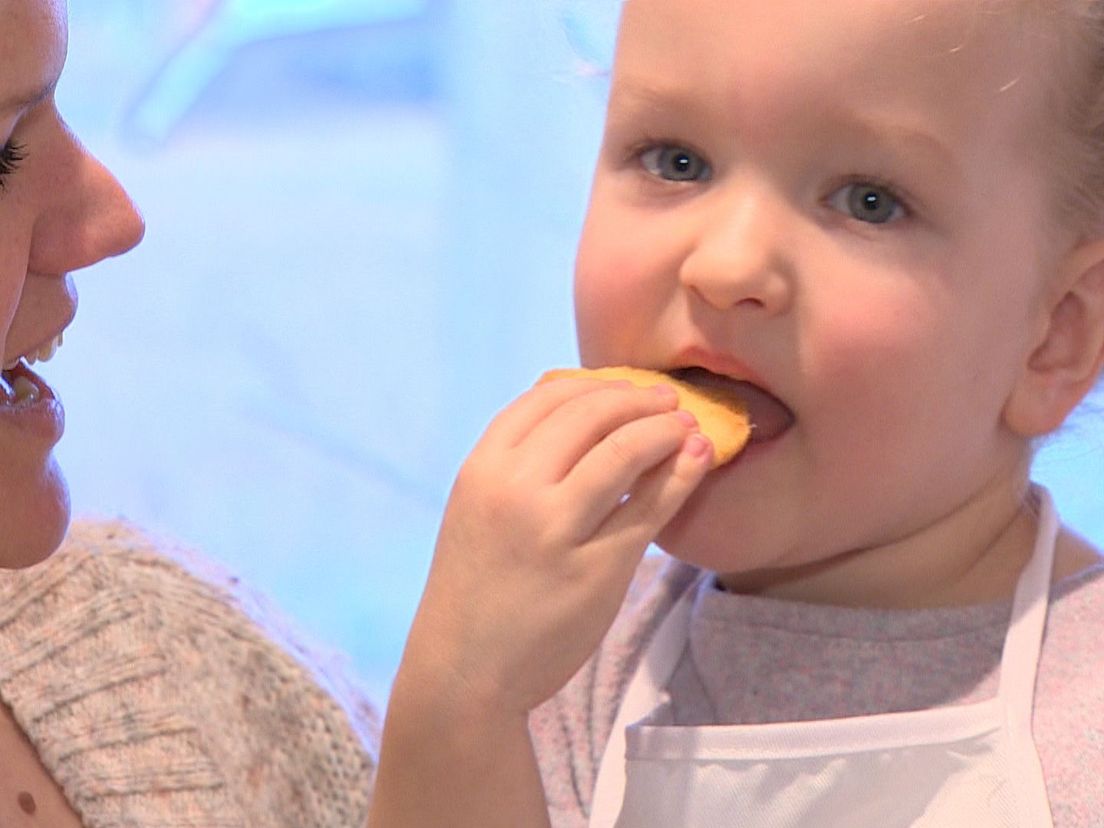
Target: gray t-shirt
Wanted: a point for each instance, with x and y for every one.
(755, 660)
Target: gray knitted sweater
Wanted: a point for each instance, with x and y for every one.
(160, 694)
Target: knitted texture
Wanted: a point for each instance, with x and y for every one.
(159, 693)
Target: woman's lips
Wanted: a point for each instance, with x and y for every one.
(28, 404)
(770, 417)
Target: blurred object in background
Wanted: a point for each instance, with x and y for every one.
(361, 225)
(591, 29)
(218, 29)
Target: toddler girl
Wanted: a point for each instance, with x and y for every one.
(881, 222)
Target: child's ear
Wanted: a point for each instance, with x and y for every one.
(1069, 352)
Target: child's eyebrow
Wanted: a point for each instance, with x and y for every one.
(631, 99)
(637, 97)
(900, 137)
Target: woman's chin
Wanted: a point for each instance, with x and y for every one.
(35, 517)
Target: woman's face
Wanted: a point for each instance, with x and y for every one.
(60, 210)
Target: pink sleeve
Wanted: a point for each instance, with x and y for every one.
(570, 730)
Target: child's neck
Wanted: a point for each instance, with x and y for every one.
(972, 556)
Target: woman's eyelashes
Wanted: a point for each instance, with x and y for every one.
(10, 156)
(868, 199)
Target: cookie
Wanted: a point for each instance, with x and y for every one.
(721, 416)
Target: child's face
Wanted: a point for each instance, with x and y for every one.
(842, 202)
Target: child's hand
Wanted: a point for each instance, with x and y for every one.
(539, 541)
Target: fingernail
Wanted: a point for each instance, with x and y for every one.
(666, 392)
(687, 419)
(698, 446)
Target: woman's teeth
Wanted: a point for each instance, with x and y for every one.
(17, 389)
(47, 351)
(43, 354)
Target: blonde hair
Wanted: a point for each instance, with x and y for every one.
(1076, 110)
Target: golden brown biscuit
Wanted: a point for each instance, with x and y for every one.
(722, 417)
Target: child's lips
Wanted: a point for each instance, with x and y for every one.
(770, 417)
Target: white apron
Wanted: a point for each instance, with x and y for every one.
(972, 765)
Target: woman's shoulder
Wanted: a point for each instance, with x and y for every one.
(186, 587)
(278, 719)
(124, 553)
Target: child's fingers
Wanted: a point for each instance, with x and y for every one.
(651, 504)
(599, 482)
(569, 433)
(516, 422)
(511, 425)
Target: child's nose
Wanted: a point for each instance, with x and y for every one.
(739, 257)
(89, 217)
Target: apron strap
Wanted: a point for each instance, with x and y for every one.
(1020, 663)
(1020, 660)
(644, 693)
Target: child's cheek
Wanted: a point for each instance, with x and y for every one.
(612, 308)
(873, 363)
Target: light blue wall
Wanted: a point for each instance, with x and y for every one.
(361, 228)
(360, 235)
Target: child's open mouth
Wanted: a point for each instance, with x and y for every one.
(770, 417)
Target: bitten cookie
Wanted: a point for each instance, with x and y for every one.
(722, 417)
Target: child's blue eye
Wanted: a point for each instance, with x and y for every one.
(869, 201)
(10, 156)
(674, 163)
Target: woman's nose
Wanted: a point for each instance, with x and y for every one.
(739, 258)
(89, 216)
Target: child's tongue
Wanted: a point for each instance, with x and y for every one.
(769, 416)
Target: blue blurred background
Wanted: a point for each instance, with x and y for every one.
(361, 224)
